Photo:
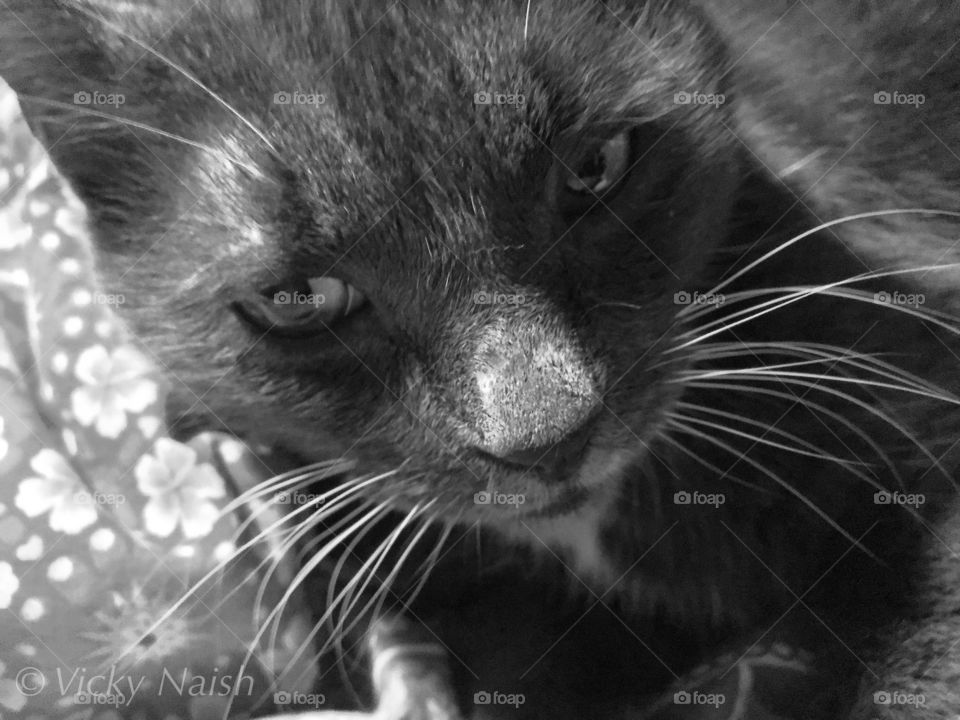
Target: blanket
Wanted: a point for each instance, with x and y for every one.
(108, 525)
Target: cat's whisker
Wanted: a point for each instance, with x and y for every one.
(268, 534)
(274, 558)
(793, 295)
(422, 572)
(346, 553)
(219, 567)
(858, 402)
(280, 541)
(776, 366)
(728, 350)
(303, 528)
(718, 472)
(847, 465)
(900, 379)
(450, 521)
(777, 479)
(313, 472)
(117, 119)
(252, 511)
(182, 71)
(425, 568)
(776, 347)
(838, 357)
(356, 586)
(371, 516)
(345, 604)
(385, 586)
(907, 382)
(288, 543)
(269, 563)
(814, 407)
(758, 372)
(819, 228)
(629, 306)
(809, 449)
(787, 295)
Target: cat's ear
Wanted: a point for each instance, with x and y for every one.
(91, 80)
(62, 56)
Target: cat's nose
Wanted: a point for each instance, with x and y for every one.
(555, 455)
(536, 392)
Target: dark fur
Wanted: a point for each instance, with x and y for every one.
(400, 185)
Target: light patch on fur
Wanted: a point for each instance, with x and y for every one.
(236, 152)
(576, 539)
(534, 384)
(251, 238)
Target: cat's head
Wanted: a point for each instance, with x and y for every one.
(445, 237)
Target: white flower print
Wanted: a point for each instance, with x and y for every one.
(9, 584)
(4, 445)
(113, 384)
(11, 696)
(180, 490)
(59, 491)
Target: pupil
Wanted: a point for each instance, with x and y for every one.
(595, 167)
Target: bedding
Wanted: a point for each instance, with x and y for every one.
(106, 523)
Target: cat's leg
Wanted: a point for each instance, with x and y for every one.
(410, 674)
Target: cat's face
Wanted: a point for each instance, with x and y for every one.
(497, 278)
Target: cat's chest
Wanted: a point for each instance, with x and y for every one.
(578, 541)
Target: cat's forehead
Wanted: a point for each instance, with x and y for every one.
(357, 117)
(427, 70)
(432, 88)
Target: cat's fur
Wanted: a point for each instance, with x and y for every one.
(399, 184)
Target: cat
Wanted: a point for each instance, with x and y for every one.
(661, 297)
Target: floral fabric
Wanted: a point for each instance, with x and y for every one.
(106, 523)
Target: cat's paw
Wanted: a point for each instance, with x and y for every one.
(410, 673)
(773, 682)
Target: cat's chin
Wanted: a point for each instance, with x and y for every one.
(539, 494)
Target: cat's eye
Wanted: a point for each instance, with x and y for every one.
(304, 308)
(601, 168)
